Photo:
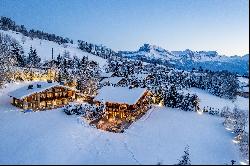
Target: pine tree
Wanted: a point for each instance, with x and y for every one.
(33, 60)
(172, 97)
(17, 51)
(185, 158)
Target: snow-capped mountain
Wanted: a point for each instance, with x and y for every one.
(189, 59)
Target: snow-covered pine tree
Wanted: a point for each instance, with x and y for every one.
(172, 97)
(244, 145)
(240, 119)
(33, 60)
(18, 52)
(185, 160)
(225, 112)
(8, 59)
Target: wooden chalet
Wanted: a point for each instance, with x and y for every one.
(244, 92)
(120, 102)
(42, 96)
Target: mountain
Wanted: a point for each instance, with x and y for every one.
(188, 59)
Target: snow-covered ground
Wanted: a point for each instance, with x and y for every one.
(52, 137)
(44, 48)
(243, 81)
(207, 99)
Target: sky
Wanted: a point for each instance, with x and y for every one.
(220, 25)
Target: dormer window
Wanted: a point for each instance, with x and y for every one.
(30, 87)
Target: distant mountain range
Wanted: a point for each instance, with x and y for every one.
(188, 59)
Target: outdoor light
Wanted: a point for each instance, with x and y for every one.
(200, 111)
(243, 163)
(235, 141)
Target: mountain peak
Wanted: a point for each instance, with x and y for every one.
(149, 47)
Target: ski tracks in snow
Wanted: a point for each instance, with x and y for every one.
(131, 153)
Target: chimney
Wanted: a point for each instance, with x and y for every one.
(30, 87)
(52, 54)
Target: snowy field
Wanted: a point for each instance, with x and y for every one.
(207, 99)
(52, 137)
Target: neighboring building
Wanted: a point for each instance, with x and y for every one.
(141, 79)
(111, 81)
(243, 86)
(104, 75)
(42, 95)
(122, 101)
(244, 92)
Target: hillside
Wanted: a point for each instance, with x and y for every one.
(44, 48)
(52, 137)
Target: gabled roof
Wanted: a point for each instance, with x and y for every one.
(120, 94)
(112, 80)
(245, 89)
(140, 76)
(103, 74)
(24, 91)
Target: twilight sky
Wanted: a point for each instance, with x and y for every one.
(221, 25)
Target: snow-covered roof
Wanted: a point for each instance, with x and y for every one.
(243, 81)
(245, 89)
(24, 91)
(141, 76)
(112, 80)
(103, 74)
(120, 94)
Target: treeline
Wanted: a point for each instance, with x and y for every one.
(97, 50)
(236, 121)
(219, 83)
(12, 54)
(8, 24)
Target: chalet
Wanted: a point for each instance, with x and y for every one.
(244, 92)
(42, 95)
(111, 81)
(93, 64)
(104, 75)
(122, 101)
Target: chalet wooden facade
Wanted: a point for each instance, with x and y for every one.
(42, 95)
(244, 92)
(120, 105)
